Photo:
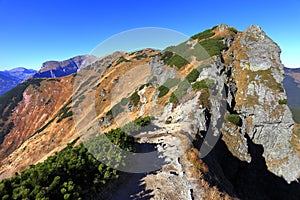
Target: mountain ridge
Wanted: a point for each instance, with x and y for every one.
(249, 86)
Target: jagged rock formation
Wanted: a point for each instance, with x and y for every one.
(258, 75)
(242, 77)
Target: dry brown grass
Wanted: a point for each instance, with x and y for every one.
(249, 123)
(277, 112)
(193, 156)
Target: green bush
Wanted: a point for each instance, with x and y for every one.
(233, 30)
(166, 56)
(139, 57)
(144, 85)
(173, 98)
(283, 101)
(65, 112)
(203, 35)
(135, 98)
(192, 76)
(178, 61)
(135, 126)
(162, 91)
(122, 59)
(185, 51)
(213, 46)
(172, 59)
(203, 84)
(235, 119)
(142, 121)
(86, 82)
(280, 87)
(45, 126)
(73, 173)
(199, 85)
(165, 88)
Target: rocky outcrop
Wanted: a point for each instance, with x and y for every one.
(56, 69)
(258, 74)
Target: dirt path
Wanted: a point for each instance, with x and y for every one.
(173, 180)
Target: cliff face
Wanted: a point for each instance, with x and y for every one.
(257, 73)
(56, 69)
(228, 103)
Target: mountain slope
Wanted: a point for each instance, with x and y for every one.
(226, 103)
(11, 78)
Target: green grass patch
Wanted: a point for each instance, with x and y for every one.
(65, 112)
(235, 119)
(172, 59)
(144, 85)
(122, 59)
(233, 30)
(192, 76)
(203, 84)
(173, 98)
(139, 57)
(163, 90)
(282, 101)
(213, 46)
(135, 98)
(203, 35)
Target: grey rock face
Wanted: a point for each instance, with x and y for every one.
(272, 124)
(263, 53)
(159, 72)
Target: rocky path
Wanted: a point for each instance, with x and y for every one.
(173, 180)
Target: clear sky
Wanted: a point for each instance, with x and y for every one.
(34, 31)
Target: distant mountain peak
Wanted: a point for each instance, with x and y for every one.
(11, 78)
(55, 69)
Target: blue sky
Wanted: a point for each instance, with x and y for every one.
(34, 31)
